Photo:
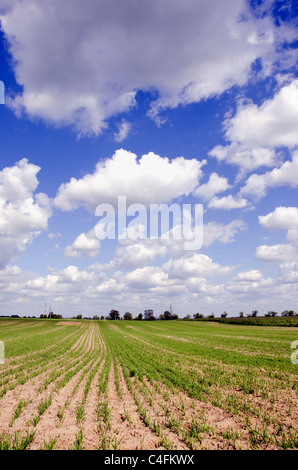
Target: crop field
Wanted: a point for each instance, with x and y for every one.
(146, 385)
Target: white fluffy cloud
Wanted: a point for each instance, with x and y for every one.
(249, 276)
(276, 253)
(285, 175)
(289, 272)
(256, 131)
(139, 253)
(282, 218)
(197, 265)
(227, 203)
(247, 159)
(104, 52)
(85, 244)
(169, 279)
(215, 185)
(273, 124)
(150, 179)
(23, 214)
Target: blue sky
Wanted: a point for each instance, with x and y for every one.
(161, 102)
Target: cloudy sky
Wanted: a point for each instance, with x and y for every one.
(161, 102)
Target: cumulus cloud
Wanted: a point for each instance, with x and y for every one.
(276, 253)
(227, 203)
(247, 159)
(150, 179)
(23, 213)
(216, 184)
(104, 52)
(285, 175)
(69, 280)
(85, 244)
(197, 265)
(289, 272)
(282, 218)
(273, 124)
(249, 276)
(170, 278)
(255, 132)
(138, 254)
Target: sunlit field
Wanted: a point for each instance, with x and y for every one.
(69, 384)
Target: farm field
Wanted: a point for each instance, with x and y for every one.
(146, 385)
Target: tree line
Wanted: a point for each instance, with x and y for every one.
(148, 315)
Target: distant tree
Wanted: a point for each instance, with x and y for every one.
(54, 315)
(175, 316)
(114, 315)
(161, 317)
(224, 315)
(241, 314)
(127, 316)
(167, 315)
(102, 317)
(211, 316)
(198, 315)
(139, 317)
(254, 313)
(148, 315)
(79, 317)
(43, 315)
(95, 317)
(271, 314)
(187, 317)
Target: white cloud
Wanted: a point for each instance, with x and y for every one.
(285, 175)
(138, 254)
(227, 203)
(123, 130)
(273, 124)
(85, 244)
(69, 280)
(256, 131)
(216, 184)
(196, 265)
(247, 158)
(249, 276)
(289, 272)
(150, 179)
(54, 235)
(222, 233)
(276, 253)
(104, 52)
(282, 218)
(23, 214)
